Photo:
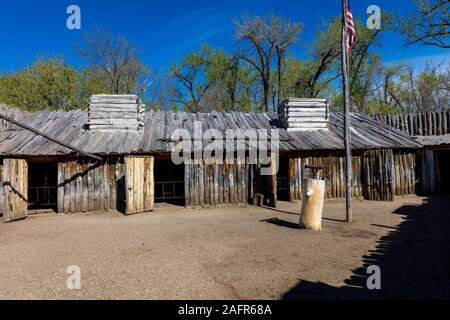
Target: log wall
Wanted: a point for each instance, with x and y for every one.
(418, 124)
(405, 179)
(216, 184)
(377, 175)
(333, 174)
(85, 186)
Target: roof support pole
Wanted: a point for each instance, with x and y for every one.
(24, 126)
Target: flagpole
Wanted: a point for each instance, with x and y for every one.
(347, 124)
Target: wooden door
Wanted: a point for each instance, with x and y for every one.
(139, 184)
(15, 189)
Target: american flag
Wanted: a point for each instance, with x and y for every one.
(349, 28)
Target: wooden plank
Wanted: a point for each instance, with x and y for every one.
(201, 183)
(139, 184)
(129, 183)
(187, 198)
(60, 187)
(219, 182)
(85, 183)
(73, 187)
(211, 184)
(151, 184)
(106, 187)
(226, 183)
(90, 184)
(79, 186)
(112, 186)
(15, 189)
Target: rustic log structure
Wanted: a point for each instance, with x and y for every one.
(418, 124)
(115, 112)
(432, 130)
(435, 171)
(383, 163)
(304, 114)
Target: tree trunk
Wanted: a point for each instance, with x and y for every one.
(312, 207)
(280, 89)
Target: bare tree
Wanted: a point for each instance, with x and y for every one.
(115, 62)
(268, 38)
(260, 53)
(192, 83)
(283, 33)
(429, 25)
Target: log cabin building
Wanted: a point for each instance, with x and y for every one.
(432, 131)
(117, 156)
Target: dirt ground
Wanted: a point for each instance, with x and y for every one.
(231, 253)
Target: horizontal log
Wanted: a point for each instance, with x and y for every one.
(113, 115)
(307, 120)
(307, 125)
(307, 114)
(305, 110)
(113, 127)
(97, 97)
(114, 121)
(306, 105)
(120, 106)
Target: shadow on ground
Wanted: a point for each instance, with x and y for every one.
(414, 259)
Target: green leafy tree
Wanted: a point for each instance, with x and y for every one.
(191, 80)
(48, 83)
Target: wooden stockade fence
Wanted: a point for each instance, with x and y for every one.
(418, 124)
(216, 184)
(377, 174)
(13, 113)
(333, 173)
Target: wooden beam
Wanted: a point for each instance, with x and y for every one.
(347, 124)
(50, 138)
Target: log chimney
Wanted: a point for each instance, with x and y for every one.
(304, 114)
(115, 113)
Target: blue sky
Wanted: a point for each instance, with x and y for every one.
(165, 30)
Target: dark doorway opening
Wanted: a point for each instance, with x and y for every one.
(169, 182)
(283, 179)
(444, 171)
(42, 185)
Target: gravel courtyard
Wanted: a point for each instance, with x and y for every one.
(231, 253)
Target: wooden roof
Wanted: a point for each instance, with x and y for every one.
(430, 141)
(70, 128)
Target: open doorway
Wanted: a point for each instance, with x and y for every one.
(443, 157)
(283, 179)
(169, 182)
(42, 185)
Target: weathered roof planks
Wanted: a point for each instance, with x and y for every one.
(69, 127)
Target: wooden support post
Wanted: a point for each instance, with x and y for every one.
(347, 132)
